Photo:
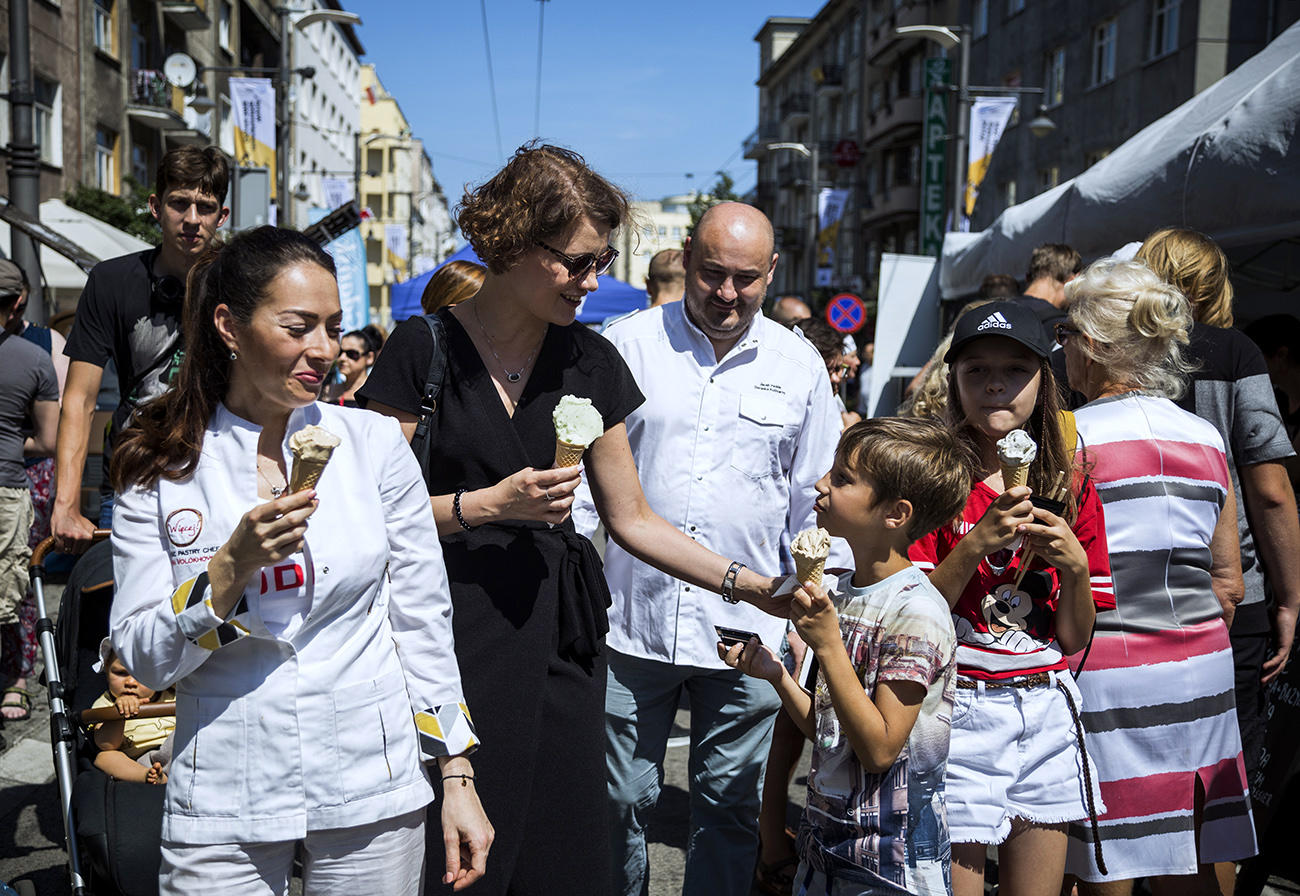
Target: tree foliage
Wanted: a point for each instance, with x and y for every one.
(723, 191)
(129, 213)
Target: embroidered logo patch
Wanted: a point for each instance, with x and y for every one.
(184, 526)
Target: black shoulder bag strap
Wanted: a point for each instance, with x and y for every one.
(432, 389)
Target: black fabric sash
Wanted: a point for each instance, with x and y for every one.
(584, 597)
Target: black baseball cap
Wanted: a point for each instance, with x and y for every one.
(1009, 319)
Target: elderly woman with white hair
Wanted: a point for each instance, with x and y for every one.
(1158, 684)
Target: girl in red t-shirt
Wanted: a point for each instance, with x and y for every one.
(1016, 769)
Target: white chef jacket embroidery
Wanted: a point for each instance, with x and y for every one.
(728, 451)
(309, 723)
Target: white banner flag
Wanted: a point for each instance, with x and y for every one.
(253, 100)
(338, 190)
(830, 209)
(395, 239)
(988, 119)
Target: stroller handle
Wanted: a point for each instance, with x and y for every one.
(41, 550)
(110, 714)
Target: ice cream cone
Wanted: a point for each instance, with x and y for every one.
(305, 474)
(808, 570)
(1013, 476)
(568, 455)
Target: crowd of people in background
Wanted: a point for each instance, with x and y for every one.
(419, 671)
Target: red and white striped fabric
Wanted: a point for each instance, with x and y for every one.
(1158, 704)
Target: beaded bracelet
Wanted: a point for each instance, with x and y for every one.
(463, 779)
(460, 518)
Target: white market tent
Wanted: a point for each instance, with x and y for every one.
(1226, 163)
(64, 280)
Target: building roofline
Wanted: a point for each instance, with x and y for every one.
(780, 20)
(349, 33)
(817, 24)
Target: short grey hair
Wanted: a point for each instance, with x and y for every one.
(1137, 323)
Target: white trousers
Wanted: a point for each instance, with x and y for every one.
(381, 857)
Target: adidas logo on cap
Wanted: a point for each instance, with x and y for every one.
(994, 321)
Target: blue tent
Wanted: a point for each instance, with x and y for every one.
(613, 298)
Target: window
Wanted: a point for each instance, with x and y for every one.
(226, 138)
(140, 163)
(47, 121)
(1094, 157)
(1008, 190)
(1015, 6)
(1164, 27)
(1048, 178)
(1013, 80)
(980, 14)
(105, 160)
(139, 44)
(1103, 52)
(104, 25)
(1054, 77)
(223, 26)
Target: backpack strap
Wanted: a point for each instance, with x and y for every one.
(432, 389)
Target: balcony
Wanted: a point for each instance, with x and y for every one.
(190, 15)
(885, 122)
(792, 174)
(765, 196)
(794, 108)
(829, 79)
(154, 101)
(882, 46)
(892, 204)
(756, 143)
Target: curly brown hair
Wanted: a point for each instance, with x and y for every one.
(540, 193)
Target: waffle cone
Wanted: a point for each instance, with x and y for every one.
(1013, 476)
(808, 570)
(305, 474)
(567, 455)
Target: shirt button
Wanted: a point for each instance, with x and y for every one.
(688, 587)
(698, 478)
(706, 429)
(692, 528)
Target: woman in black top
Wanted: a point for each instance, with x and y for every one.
(528, 592)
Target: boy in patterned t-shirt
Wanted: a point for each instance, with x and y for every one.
(883, 639)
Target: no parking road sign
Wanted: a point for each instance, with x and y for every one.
(846, 313)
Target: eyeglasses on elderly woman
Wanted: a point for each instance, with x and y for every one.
(581, 265)
(1063, 333)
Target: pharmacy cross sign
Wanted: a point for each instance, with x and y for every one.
(846, 313)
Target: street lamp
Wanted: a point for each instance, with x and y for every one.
(810, 241)
(951, 37)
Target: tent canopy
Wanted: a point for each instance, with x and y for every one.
(1225, 163)
(614, 297)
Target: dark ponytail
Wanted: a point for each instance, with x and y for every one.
(165, 435)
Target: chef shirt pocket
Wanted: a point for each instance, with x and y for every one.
(216, 756)
(375, 731)
(759, 431)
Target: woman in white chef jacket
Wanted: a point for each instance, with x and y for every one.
(308, 635)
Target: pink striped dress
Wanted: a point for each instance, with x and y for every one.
(1158, 704)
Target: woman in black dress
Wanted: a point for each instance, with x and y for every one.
(528, 592)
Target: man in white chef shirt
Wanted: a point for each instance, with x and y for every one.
(738, 424)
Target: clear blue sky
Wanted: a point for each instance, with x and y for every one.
(647, 92)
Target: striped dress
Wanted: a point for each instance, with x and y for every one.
(1158, 684)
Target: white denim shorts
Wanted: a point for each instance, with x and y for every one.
(1014, 754)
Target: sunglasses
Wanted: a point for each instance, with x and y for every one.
(580, 266)
(353, 354)
(1063, 334)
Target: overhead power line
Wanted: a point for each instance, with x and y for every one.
(492, 83)
(537, 108)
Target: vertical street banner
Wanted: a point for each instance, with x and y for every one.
(254, 107)
(349, 252)
(338, 191)
(395, 240)
(830, 209)
(934, 151)
(988, 119)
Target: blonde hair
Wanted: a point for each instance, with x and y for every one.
(1136, 324)
(930, 397)
(1196, 265)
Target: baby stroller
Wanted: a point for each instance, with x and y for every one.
(117, 825)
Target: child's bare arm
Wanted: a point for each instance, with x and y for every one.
(759, 661)
(108, 735)
(120, 766)
(878, 728)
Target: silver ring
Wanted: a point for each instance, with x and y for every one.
(548, 495)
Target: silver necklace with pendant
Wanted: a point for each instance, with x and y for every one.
(512, 377)
(276, 490)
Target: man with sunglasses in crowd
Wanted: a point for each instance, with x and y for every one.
(737, 426)
(130, 314)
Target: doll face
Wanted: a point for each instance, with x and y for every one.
(121, 682)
